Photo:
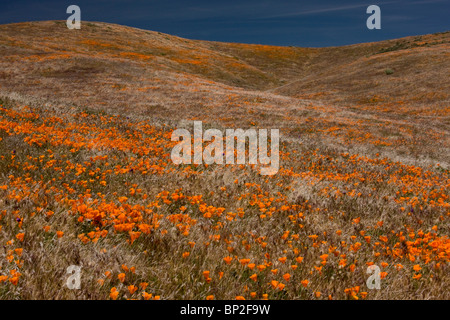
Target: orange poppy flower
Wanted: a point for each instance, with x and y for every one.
(286, 276)
(143, 285)
(147, 296)
(282, 260)
(14, 280)
(227, 259)
(114, 293)
(299, 259)
(132, 289)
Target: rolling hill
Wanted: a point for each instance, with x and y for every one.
(86, 176)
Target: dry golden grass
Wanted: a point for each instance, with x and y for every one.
(86, 176)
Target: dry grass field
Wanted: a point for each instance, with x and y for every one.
(86, 176)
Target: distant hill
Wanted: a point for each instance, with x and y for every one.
(45, 59)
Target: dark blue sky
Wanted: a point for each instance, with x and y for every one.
(276, 22)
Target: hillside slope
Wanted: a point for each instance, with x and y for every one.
(302, 91)
(86, 176)
(413, 70)
(35, 54)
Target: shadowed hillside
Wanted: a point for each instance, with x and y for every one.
(410, 70)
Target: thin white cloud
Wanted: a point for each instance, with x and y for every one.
(426, 1)
(322, 10)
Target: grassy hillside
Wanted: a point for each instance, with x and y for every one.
(405, 70)
(86, 178)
